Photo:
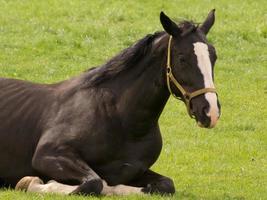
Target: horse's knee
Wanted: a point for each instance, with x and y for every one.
(91, 187)
(164, 186)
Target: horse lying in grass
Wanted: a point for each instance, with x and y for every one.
(98, 133)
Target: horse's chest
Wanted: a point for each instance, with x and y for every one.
(125, 159)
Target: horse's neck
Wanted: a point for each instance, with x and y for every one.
(143, 92)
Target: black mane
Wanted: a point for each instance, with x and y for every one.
(123, 61)
(129, 57)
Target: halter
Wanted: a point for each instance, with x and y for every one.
(186, 95)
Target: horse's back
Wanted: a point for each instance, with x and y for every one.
(22, 103)
(22, 106)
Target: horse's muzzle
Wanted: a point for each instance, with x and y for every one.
(211, 123)
(207, 116)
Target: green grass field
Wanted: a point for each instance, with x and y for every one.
(48, 41)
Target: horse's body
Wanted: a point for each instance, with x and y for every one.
(104, 119)
(98, 119)
(101, 125)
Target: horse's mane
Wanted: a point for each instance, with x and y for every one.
(129, 57)
(121, 62)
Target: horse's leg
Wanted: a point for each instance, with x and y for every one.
(154, 183)
(35, 184)
(65, 166)
(120, 190)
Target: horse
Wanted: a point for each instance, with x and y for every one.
(98, 133)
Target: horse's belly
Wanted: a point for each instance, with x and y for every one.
(16, 154)
(15, 163)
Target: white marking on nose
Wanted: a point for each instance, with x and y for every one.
(204, 64)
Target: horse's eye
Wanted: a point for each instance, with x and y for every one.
(181, 58)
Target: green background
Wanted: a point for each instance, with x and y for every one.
(49, 41)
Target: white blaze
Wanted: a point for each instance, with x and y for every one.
(204, 64)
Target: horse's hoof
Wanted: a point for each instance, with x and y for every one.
(92, 187)
(165, 187)
(25, 182)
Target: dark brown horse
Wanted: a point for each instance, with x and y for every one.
(98, 133)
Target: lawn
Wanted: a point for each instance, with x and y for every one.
(49, 41)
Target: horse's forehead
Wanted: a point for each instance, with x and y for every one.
(202, 46)
(187, 44)
(191, 39)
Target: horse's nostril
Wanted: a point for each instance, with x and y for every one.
(205, 110)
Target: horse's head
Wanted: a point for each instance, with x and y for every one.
(190, 68)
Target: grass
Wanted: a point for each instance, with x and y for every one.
(48, 41)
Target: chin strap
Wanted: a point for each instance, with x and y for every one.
(187, 96)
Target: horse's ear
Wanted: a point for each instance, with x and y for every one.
(169, 26)
(207, 24)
